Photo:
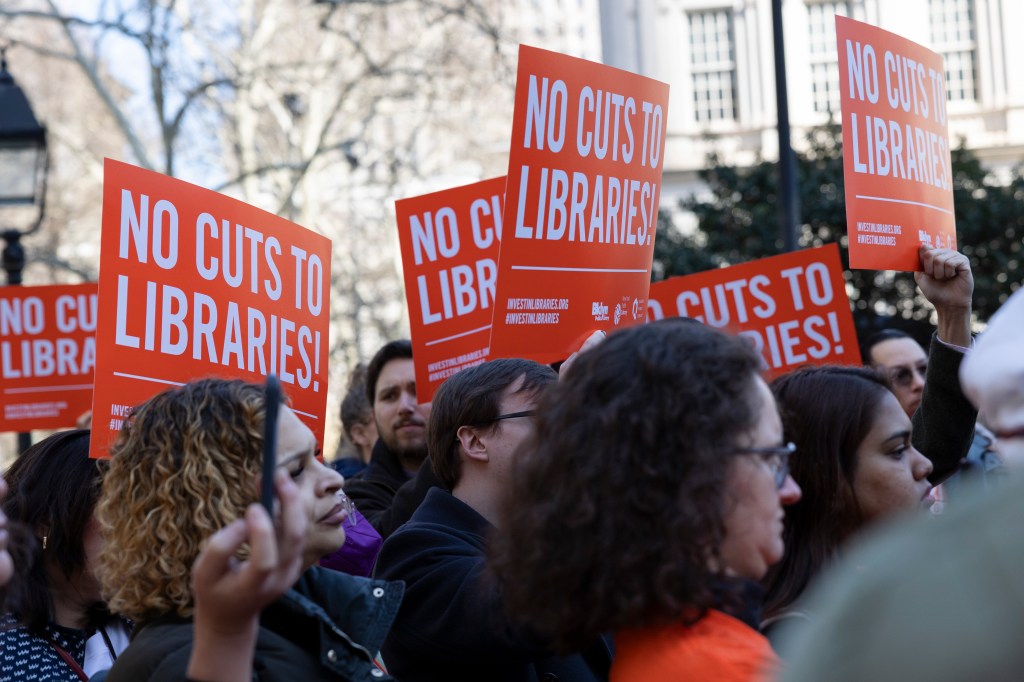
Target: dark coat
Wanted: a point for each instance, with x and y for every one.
(385, 494)
(328, 627)
(451, 625)
(944, 423)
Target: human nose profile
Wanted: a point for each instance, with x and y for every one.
(330, 481)
(922, 466)
(790, 492)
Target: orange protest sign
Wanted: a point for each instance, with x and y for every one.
(896, 163)
(581, 204)
(449, 243)
(47, 355)
(196, 284)
(792, 307)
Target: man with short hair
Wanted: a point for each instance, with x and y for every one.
(401, 427)
(451, 625)
(902, 359)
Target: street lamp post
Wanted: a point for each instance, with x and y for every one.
(24, 163)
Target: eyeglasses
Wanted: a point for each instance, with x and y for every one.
(515, 415)
(777, 460)
(904, 376)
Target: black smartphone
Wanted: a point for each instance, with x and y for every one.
(272, 400)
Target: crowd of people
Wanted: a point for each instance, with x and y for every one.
(651, 509)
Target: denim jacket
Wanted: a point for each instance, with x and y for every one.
(328, 627)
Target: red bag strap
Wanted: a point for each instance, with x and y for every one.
(69, 659)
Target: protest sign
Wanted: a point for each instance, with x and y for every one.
(449, 243)
(581, 204)
(792, 307)
(196, 284)
(47, 355)
(896, 163)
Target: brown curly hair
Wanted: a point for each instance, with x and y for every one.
(186, 464)
(616, 506)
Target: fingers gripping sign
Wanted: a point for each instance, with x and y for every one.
(947, 282)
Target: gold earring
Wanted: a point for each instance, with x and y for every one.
(44, 542)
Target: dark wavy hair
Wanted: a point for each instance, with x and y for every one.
(355, 406)
(53, 488)
(472, 398)
(616, 506)
(827, 412)
(399, 349)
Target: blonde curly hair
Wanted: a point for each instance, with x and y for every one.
(186, 464)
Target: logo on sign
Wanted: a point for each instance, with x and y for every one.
(619, 312)
(600, 312)
(636, 309)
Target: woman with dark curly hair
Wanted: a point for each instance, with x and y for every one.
(648, 503)
(186, 465)
(854, 462)
(55, 625)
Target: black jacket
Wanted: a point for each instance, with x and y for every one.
(328, 627)
(385, 494)
(944, 423)
(451, 625)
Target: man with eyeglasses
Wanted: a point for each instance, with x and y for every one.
(897, 355)
(927, 386)
(451, 625)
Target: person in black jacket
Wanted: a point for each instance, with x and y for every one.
(451, 625)
(402, 428)
(188, 464)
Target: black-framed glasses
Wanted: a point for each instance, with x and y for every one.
(904, 376)
(776, 458)
(515, 415)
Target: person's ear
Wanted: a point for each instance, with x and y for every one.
(359, 436)
(472, 445)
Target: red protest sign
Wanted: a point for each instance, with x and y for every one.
(581, 204)
(47, 355)
(896, 163)
(792, 307)
(449, 243)
(196, 284)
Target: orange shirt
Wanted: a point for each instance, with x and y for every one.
(718, 647)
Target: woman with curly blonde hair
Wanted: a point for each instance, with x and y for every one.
(188, 464)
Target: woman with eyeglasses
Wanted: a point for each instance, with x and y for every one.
(854, 462)
(648, 503)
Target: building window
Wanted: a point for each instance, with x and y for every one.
(713, 65)
(952, 31)
(823, 58)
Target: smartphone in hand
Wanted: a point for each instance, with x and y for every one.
(272, 401)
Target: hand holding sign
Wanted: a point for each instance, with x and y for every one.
(948, 284)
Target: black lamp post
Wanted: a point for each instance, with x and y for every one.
(24, 163)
